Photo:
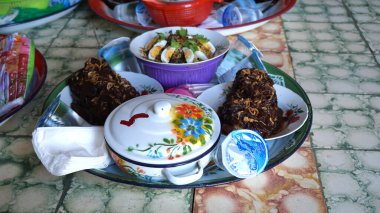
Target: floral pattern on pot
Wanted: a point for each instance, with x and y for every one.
(138, 172)
(191, 127)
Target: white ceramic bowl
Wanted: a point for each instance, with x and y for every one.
(293, 106)
(170, 74)
(162, 136)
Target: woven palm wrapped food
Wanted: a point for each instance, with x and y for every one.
(97, 90)
(251, 104)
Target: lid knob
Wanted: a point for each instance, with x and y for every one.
(162, 108)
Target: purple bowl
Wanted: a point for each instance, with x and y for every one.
(171, 75)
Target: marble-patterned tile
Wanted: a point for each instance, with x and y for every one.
(25, 186)
(34, 198)
(371, 34)
(334, 160)
(270, 40)
(75, 31)
(269, 37)
(345, 121)
(307, 142)
(88, 30)
(318, 11)
(81, 31)
(277, 190)
(357, 169)
(43, 36)
(106, 31)
(337, 73)
(62, 61)
(368, 160)
(365, 11)
(101, 195)
(324, 37)
(280, 60)
(84, 12)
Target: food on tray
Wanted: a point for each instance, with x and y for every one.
(97, 90)
(178, 47)
(16, 70)
(251, 104)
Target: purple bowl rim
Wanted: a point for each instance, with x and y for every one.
(174, 64)
(200, 63)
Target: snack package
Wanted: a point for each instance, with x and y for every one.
(243, 54)
(16, 70)
(119, 56)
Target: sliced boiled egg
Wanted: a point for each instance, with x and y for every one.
(167, 54)
(189, 55)
(200, 55)
(156, 49)
(209, 46)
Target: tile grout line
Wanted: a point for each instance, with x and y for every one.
(346, 149)
(312, 149)
(67, 180)
(58, 33)
(356, 24)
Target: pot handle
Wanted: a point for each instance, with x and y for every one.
(186, 178)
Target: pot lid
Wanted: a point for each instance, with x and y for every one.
(162, 129)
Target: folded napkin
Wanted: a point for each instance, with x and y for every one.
(64, 150)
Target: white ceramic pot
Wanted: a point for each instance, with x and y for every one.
(163, 136)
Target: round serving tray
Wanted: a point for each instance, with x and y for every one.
(15, 27)
(279, 151)
(100, 8)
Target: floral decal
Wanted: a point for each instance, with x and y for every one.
(192, 127)
(190, 124)
(147, 89)
(188, 110)
(292, 115)
(139, 172)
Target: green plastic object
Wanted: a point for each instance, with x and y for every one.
(7, 5)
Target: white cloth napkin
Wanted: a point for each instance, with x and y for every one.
(64, 150)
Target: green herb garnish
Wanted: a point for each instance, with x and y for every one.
(201, 38)
(191, 45)
(182, 32)
(161, 36)
(174, 43)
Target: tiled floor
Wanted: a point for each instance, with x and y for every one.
(331, 47)
(335, 59)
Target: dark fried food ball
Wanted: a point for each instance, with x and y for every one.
(251, 104)
(97, 90)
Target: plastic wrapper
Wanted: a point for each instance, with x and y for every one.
(119, 56)
(243, 54)
(16, 70)
(239, 12)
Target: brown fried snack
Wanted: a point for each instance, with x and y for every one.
(251, 104)
(97, 90)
